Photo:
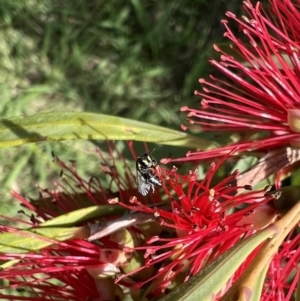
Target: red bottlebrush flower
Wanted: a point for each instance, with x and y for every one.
(73, 269)
(284, 273)
(260, 97)
(201, 222)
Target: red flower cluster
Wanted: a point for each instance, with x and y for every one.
(259, 98)
(199, 223)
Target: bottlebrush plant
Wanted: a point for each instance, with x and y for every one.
(216, 237)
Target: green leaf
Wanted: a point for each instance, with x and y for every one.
(33, 239)
(59, 126)
(9, 264)
(84, 214)
(57, 233)
(23, 241)
(208, 282)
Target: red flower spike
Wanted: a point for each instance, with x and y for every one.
(284, 273)
(64, 261)
(205, 221)
(263, 82)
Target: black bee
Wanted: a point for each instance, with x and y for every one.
(146, 178)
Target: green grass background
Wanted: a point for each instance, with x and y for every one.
(135, 59)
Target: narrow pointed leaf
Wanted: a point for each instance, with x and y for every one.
(34, 239)
(84, 214)
(9, 264)
(58, 233)
(59, 126)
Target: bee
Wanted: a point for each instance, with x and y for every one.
(146, 178)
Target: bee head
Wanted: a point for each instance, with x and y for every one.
(145, 161)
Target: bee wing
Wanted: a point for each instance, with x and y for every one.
(143, 187)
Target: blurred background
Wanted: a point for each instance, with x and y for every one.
(135, 59)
